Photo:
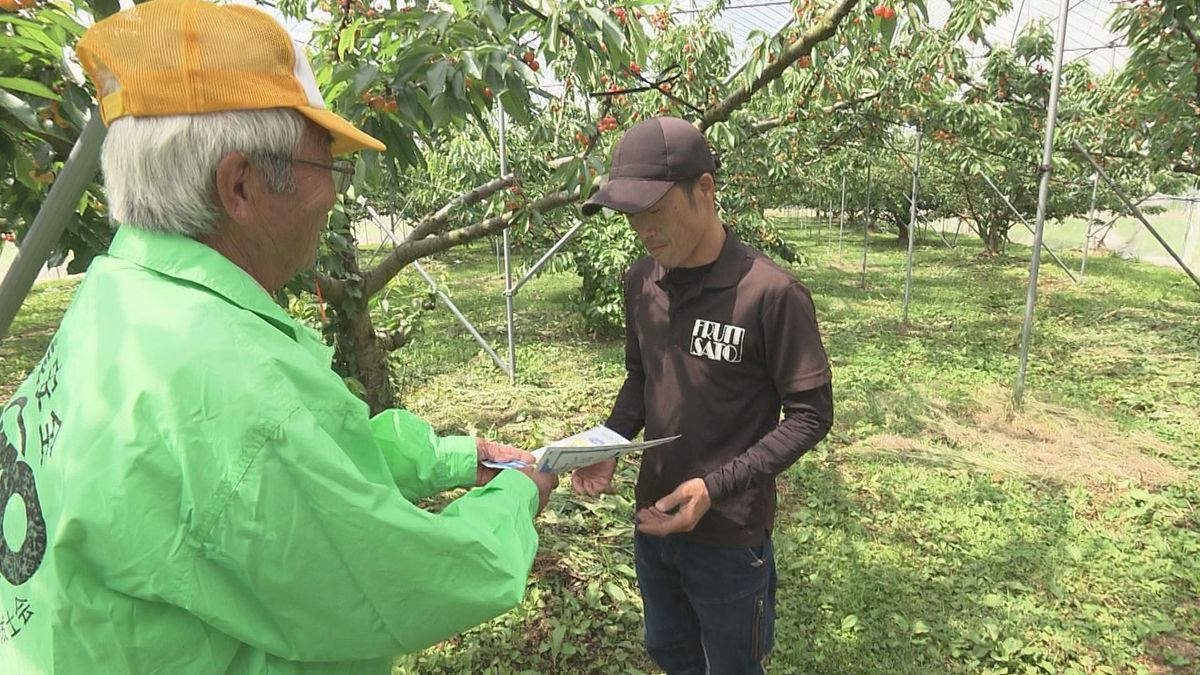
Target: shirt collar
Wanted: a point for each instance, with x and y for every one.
(726, 270)
(190, 261)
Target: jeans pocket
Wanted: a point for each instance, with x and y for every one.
(757, 554)
(758, 629)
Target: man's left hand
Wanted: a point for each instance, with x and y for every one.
(496, 452)
(691, 498)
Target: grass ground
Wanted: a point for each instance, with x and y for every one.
(935, 531)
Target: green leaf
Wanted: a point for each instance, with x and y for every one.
(553, 37)
(920, 6)
(103, 8)
(494, 20)
(21, 110)
(347, 37)
(613, 35)
(76, 106)
(471, 65)
(849, 622)
(556, 638)
(443, 21)
(62, 20)
(356, 387)
(22, 166)
(29, 87)
(363, 78)
(886, 32)
(458, 85)
(39, 34)
(436, 84)
(427, 19)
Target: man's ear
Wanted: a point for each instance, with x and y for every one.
(235, 186)
(708, 187)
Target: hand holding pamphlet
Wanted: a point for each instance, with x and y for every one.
(583, 449)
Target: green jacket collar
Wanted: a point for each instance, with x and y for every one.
(192, 262)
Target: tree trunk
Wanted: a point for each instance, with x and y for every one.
(994, 239)
(358, 353)
(902, 228)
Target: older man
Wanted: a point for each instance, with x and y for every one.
(185, 484)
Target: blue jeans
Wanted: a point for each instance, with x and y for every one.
(709, 610)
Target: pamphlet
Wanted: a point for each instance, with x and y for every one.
(583, 449)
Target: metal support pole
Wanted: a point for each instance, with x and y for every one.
(870, 218)
(912, 225)
(1043, 200)
(1114, 219)
(1187, 233)
(928, 226)
(1024, 222)
(546, 258)
(941, 235)
(1087, 231)
(842, 217)
(1137, 212)
(462, 319)
(51, 220)
(508, 285)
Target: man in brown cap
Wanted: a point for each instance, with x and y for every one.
(718, 340)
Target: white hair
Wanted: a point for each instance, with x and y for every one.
(160, 172)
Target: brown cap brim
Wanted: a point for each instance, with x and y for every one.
(627, 195)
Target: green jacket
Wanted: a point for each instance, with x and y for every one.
(201, 493)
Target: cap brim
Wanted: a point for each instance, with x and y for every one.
(346, 136)
(627, 195)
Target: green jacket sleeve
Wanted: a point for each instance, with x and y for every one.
(309, 561)
(423, 463)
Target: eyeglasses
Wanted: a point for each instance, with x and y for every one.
(343, 168)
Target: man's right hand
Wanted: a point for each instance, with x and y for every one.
(595, 479)
(545, 482)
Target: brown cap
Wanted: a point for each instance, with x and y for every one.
(651, 157)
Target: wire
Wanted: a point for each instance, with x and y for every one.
(777, 3)
(1017, 23)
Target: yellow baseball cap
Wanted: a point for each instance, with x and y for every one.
(185, 57)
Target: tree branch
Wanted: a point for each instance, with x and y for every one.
(438, 219)
(407, 252)
(394, 340)
(763, 126)
(1191, 34)
(431, 223)
(822, 30)
(332, 290)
